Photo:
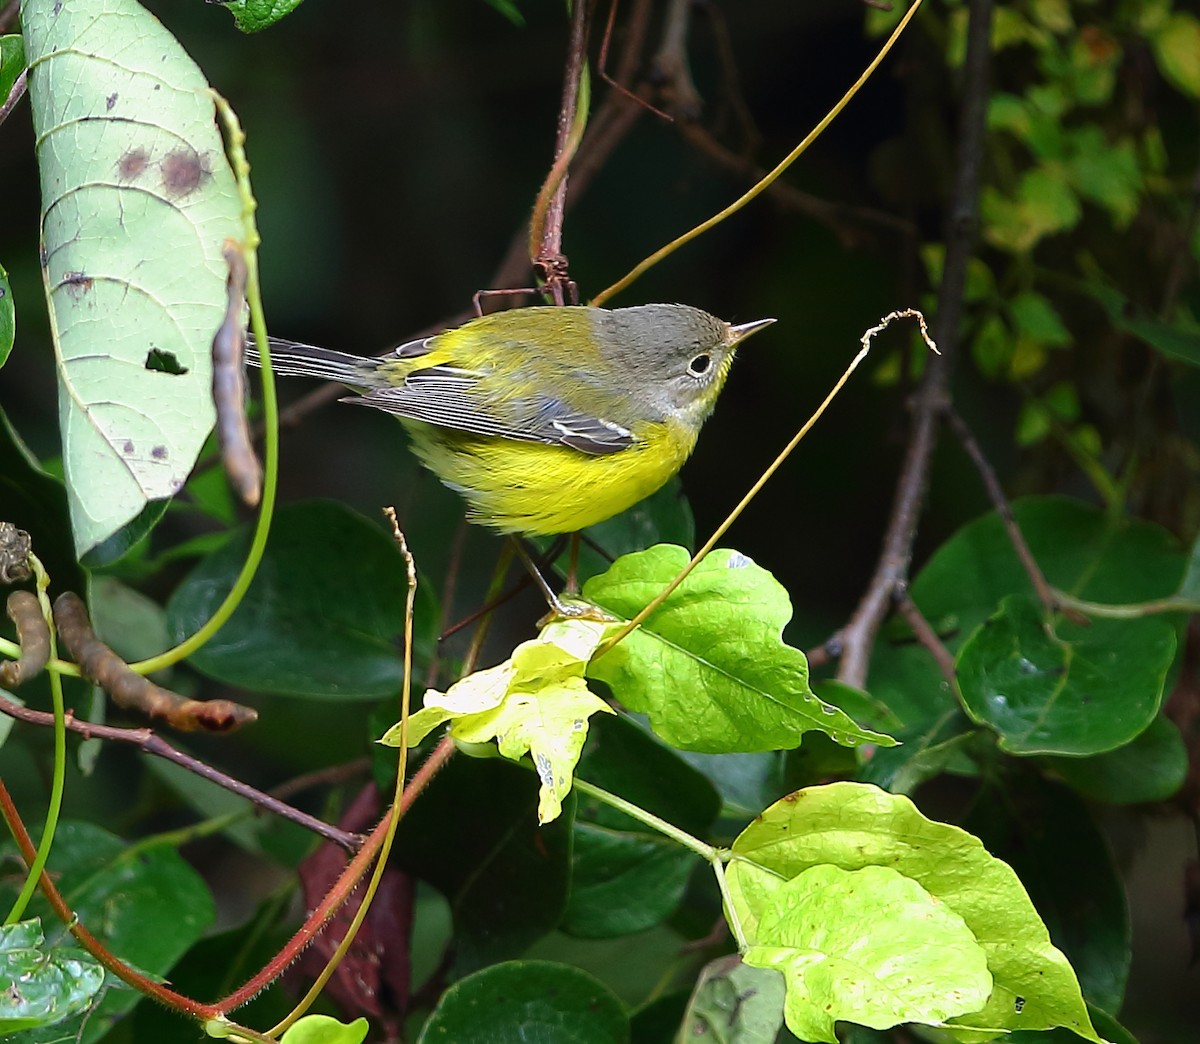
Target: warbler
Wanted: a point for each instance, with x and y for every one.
(546, 420)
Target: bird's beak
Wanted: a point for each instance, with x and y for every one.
(743, 330)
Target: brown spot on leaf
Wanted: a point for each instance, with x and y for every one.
(159, 453)
(132, 163)
(182, 171)
(77, 284)
(110, 101)
(127, 449)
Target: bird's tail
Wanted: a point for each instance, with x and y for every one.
(292, 359)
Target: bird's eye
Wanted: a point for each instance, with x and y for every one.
(699, 365)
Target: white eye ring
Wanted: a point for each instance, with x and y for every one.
(699, 366)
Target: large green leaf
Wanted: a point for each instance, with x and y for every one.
(710, 667)
(1081, 549)
(851, 826)
(1151, 767)
(8, 315)
(625, 877)
(148, 906)
(1075, 690)
(536, 1002)
(323, 617)
(137, 202)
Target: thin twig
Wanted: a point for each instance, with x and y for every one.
(9, 14)
(999, 501)
(931, 398)
(14, 95)
(927, 636)
(148, 742)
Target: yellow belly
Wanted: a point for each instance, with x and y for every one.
(528, 487)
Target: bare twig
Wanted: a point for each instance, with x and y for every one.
(670, 69)
(148, 742)
(987, 473)
(15, 94)
(927, 636)
(9, 14)
(546, 221)
(932, 395)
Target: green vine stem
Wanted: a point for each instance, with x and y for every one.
(60, 757)
(710, 853)
(241, 169)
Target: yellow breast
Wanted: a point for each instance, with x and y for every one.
(528, 487)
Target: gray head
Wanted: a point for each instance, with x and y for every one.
(674, 355)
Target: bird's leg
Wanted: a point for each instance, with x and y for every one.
(572, 586)
(571, 610)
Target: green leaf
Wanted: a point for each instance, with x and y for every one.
(869, 946)
(625, 877)
(1078, 690)
(1079, 548)
(323, 1029)
(323, 616)
(41, 986)
(853, 825)
(536, 702)
(531, 1001)
(1046, 834)
(924, 751)
(474, 836)
(8, 316)
(116, 891)
(252, 15)
(710, 668)
(12, 63)
(1177, 51)
(1106, 173)
(1151, 767)
(1035, 316)
(735, 1003)
(1173, 340)
(137, 201)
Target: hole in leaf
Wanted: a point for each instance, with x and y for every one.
(164, 362)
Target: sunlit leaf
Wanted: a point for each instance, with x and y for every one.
(852, 826)
(869, 945)
(535, 703)
(710, 667)
(252, 15)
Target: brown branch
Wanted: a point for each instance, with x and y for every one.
(15, 94)
(932, 396)
(86, 939)
(670, 69)
(34, 636)
(999, 501)
(98, 663)
(148, 742)
(546, 221)
(927, 636)
(344, 886)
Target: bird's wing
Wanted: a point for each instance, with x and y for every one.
(448, 397)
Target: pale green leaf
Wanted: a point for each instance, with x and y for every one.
(854, 825)
(710, 667)
(535, 703)
(869, 946)
(137, 200)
